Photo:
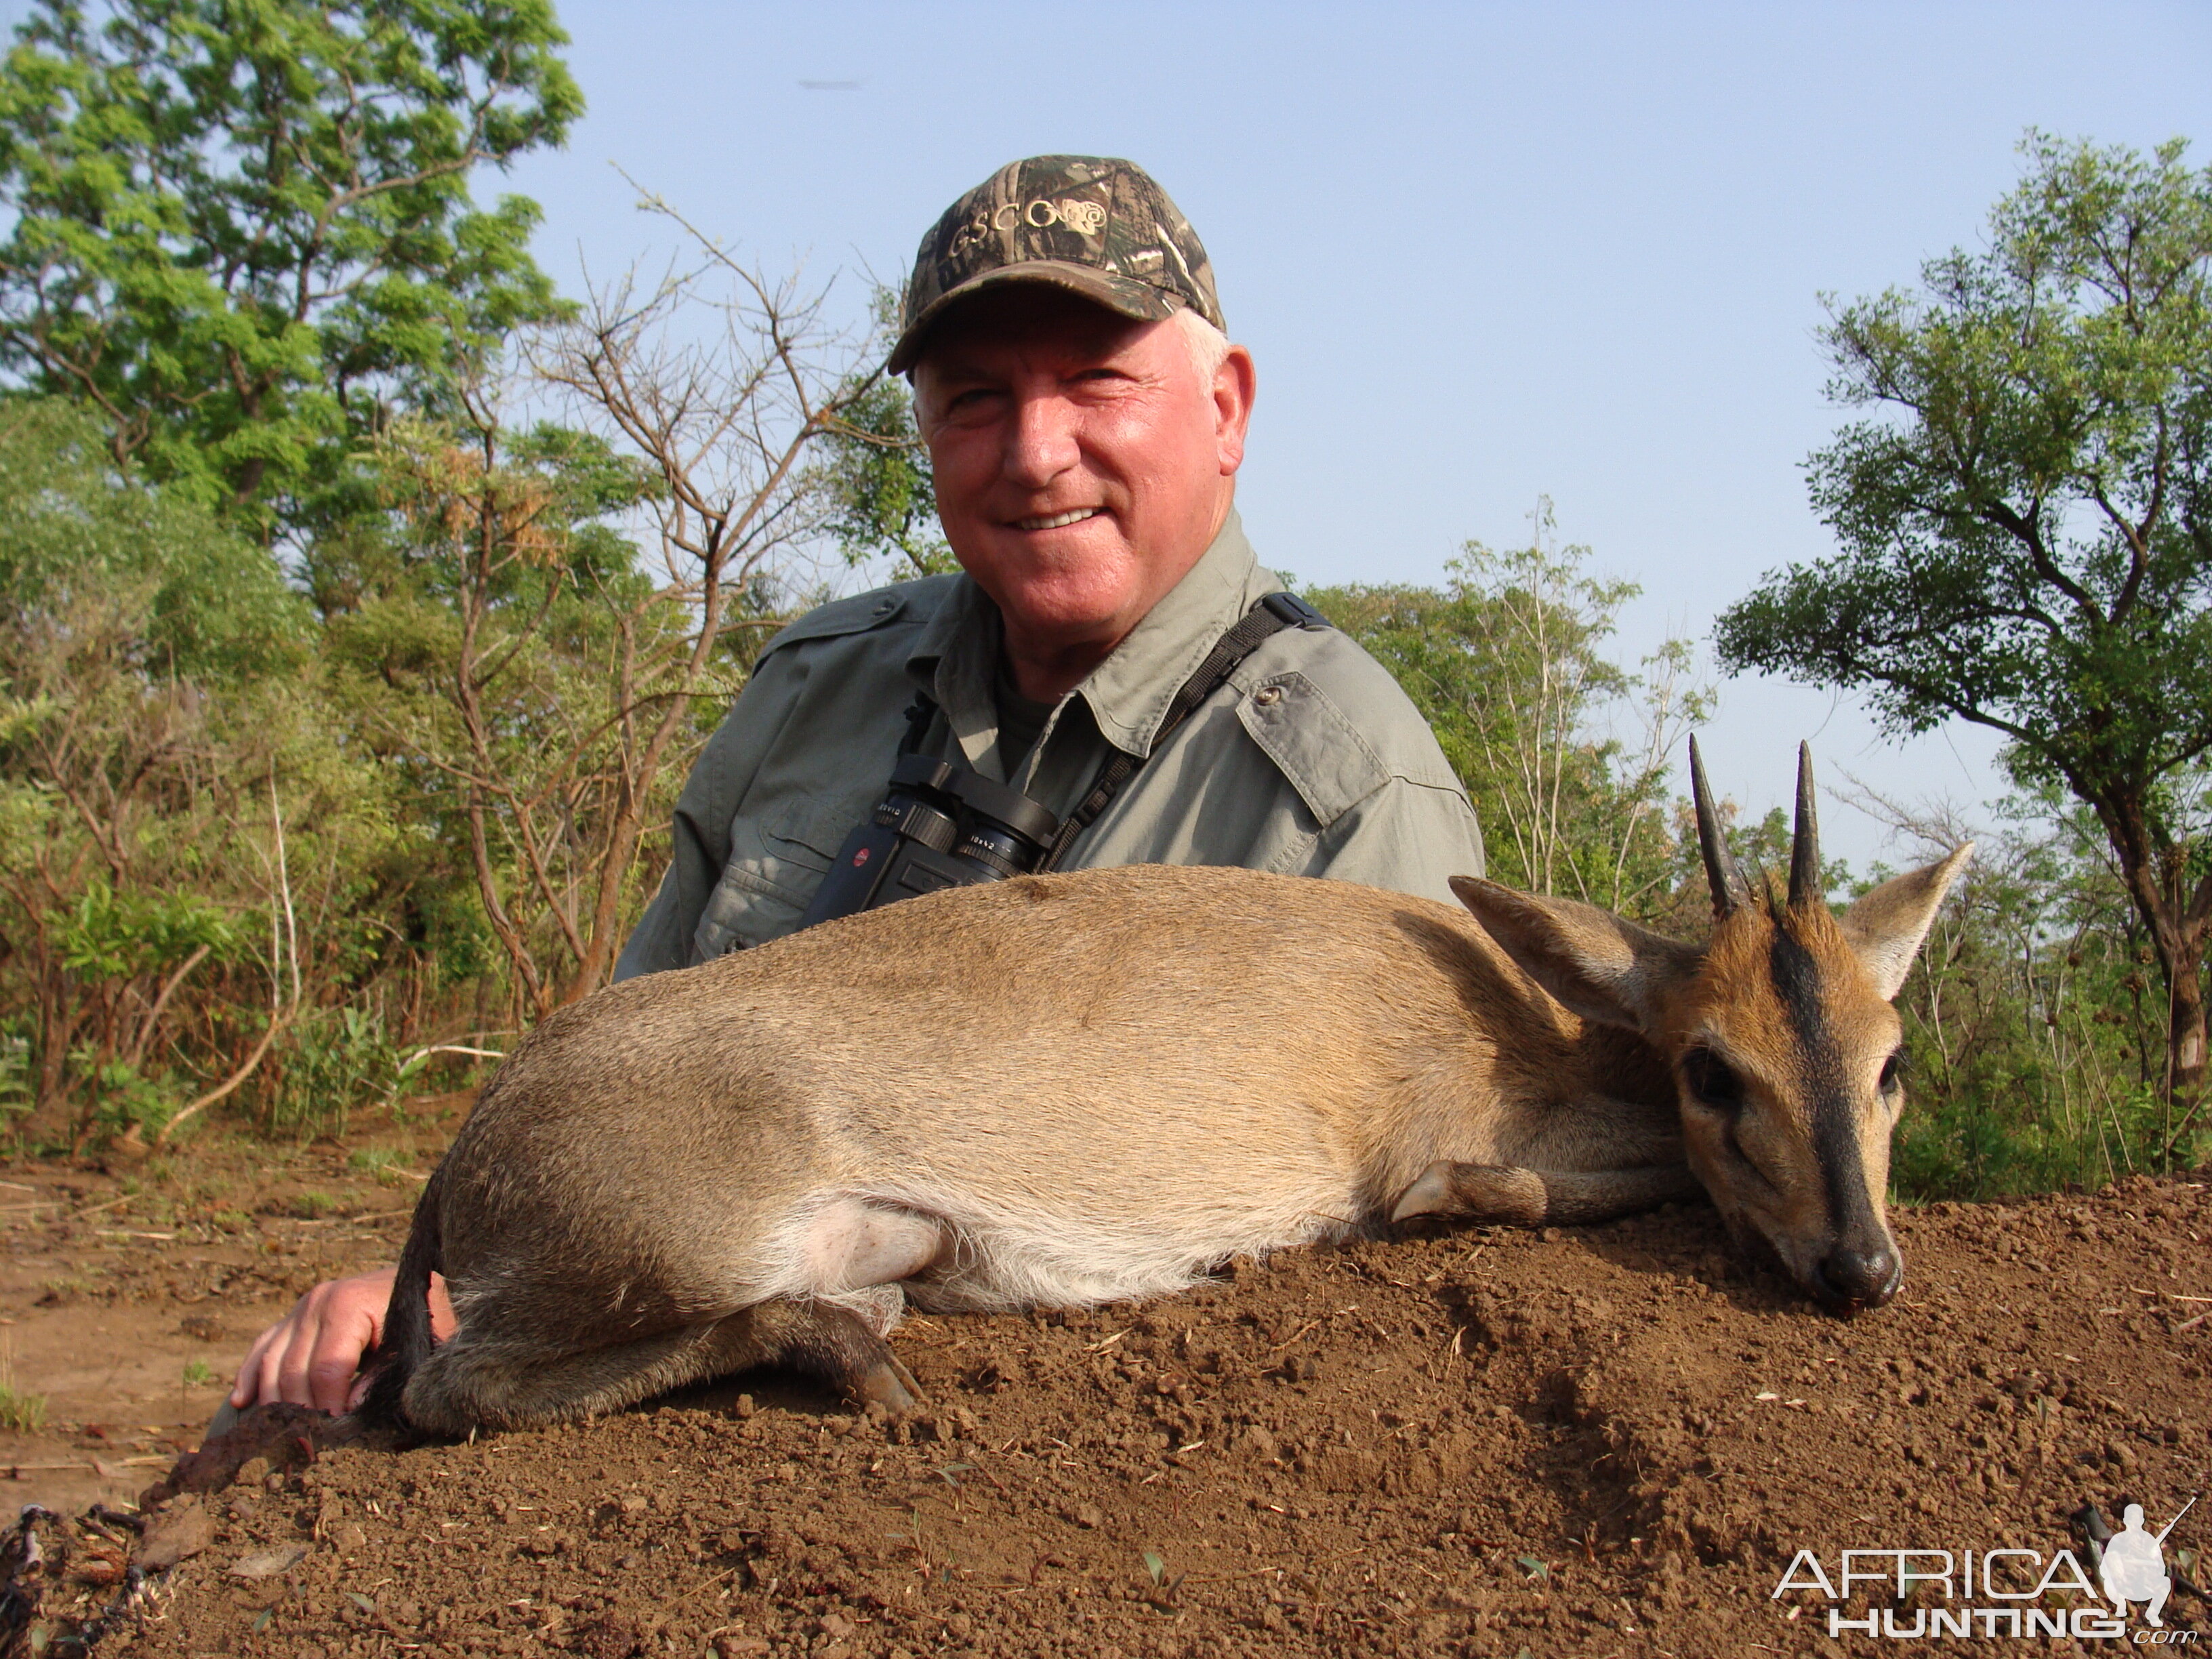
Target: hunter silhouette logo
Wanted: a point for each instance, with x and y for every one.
(2134, 1567)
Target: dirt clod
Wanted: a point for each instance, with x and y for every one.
(181, 1533)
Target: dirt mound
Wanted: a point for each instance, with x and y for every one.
(1595, 1441)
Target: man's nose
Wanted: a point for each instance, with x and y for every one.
(1040, 440)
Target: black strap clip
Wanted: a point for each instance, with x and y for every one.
(919, 713)
(1295, 610)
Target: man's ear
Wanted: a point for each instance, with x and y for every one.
(1235, 384)
(1603, 967)
(1888, 927)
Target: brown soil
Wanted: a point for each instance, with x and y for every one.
(1597, 1441)
(121, 1289)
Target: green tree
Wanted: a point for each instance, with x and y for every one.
(879, 496)
(181, 819)
(1507, 663)
(2026, 522)
(243, 227)
(552, 618)
(504, 669)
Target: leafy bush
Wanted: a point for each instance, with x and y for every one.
(332, 1063)
(2036, 1036)
(124, 1100)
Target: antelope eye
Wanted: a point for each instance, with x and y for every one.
(1711, 1080)
(1891, 1070)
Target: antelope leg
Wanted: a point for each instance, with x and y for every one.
(475, 1379)
(1503, 1194)
(837, 1345)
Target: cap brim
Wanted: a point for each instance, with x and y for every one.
(1125, 296)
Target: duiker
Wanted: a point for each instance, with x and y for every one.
(1064, 1090)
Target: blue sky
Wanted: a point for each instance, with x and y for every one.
(1481, 253)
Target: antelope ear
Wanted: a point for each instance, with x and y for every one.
(1888, 927)
(1603, 967)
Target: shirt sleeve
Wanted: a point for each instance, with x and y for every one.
(699, 835)
(1406, 836)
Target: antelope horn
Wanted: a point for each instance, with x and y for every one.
(1806, 886)
(1729, 887)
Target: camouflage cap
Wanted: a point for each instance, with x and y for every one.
(1095, 226)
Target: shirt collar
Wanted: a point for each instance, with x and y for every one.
(954, 661)
(957, 654)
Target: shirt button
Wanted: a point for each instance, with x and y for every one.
(1268, 696)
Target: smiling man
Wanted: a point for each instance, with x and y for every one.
(1085, 416)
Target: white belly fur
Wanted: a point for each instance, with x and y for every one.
(959, 1252)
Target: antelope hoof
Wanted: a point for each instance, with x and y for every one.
(1431, 1193)
(888, 1385)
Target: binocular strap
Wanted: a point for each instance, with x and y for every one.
(1273, 613)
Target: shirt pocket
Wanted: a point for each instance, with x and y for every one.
(778, 857)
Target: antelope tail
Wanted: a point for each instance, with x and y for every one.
(407, 1339)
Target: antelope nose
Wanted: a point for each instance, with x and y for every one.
(1868, 1277)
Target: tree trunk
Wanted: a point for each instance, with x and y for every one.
(2178, 923)
(50, 1119)
(2185, 1034)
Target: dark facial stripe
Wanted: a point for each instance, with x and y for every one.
(1797, 974)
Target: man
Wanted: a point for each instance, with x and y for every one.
(1085, 416)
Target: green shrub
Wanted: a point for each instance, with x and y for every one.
(125, 1099)
(334, 1060)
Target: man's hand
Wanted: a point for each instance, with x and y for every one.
(312, 1357)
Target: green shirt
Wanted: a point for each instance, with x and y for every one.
(1308, 761)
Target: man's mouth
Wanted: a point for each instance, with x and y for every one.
(1058, 520)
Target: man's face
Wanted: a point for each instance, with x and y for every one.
(1082, 466)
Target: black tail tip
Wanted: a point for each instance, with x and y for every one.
(383, 1407)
